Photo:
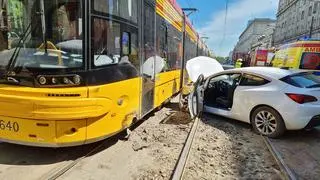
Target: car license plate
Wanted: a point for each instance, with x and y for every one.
(9, 126)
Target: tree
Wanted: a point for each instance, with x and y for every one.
(221, 59)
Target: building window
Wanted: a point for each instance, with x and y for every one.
(316, 4)
(310, 11)
(302, 15)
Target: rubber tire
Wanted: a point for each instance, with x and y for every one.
(280, 123)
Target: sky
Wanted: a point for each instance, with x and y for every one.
(209, 21)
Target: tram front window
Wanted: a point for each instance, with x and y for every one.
(41, 34)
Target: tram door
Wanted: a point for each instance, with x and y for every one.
(148, 60)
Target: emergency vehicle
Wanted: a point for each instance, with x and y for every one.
(298, 55)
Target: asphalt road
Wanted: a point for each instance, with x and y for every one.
(301, 152)
(23, 162)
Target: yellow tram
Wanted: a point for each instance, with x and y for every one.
(80, 71)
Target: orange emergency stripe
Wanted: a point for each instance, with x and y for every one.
(303, 45)
(165, 9)
(191, 33)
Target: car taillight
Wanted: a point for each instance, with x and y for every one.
(301, 98)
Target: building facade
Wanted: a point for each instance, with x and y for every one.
(297, 19)
(258, 33)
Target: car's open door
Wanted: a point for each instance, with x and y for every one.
(198, 69)
(195, 99)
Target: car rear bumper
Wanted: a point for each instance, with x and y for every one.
(315, 121)
(298, 116)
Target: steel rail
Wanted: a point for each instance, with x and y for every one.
(56, 173)
(286, 171)
(183, 158)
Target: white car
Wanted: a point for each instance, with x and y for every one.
(273, 100)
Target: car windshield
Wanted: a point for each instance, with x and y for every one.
(304, 80)
(37, 34)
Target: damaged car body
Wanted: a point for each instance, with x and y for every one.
(272, 100)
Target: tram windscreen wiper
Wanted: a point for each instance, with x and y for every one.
(101, 52)
(16, 52)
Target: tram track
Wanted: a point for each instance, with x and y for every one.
(60, 171)
(286, 171)
(182, 161)
(183, 158)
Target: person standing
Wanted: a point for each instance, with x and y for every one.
(239, 63)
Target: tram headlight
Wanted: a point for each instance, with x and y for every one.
(66, 80)
(42, 80)
(77, 79)
(54, 80)
(59, 80)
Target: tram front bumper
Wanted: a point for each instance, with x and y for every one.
(53, 109)
(49, 122)
(42, 133)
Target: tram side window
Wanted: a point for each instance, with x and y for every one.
(110, 47)
(106, 42)
(162, 41)
(188, 49)
(125, 43)
(173, 48)
(134, 50)
(194, 49)
(129, 49)
(127, 9)
(149, 30)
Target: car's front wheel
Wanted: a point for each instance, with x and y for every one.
(268, 122)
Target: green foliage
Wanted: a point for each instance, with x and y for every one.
(221, 59)
(16, 14)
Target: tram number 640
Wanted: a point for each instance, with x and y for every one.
(10, 126)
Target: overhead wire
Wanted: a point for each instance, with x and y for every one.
(225, 25)
(190, 5)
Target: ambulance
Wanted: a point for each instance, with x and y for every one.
(298, 55)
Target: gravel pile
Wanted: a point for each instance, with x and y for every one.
(227, 149)
(162, 137)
